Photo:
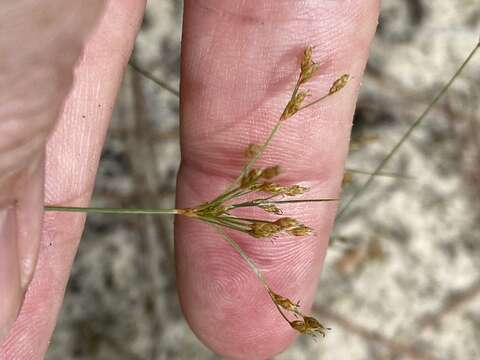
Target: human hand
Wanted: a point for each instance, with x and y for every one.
(40, 44)
(238, 62)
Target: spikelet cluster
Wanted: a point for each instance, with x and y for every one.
(269, 196)
(308, 325)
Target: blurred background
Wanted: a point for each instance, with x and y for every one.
(402, 276)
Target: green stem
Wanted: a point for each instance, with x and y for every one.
(267, 201)
(156, 80)
(218, 222)
(236, 220)
(402, 140)
(242, 253)
(247, 220)
(264, 146)
(259, 153)
(382, 174)
(255, 202)
(298, 201)
(235, 192)
(314, 102)
(94, 210)
(280, 310)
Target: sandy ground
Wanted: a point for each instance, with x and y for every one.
(402, 279)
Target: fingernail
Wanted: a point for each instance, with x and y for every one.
(29, 224)
(11, 293)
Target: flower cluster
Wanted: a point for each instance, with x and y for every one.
(308, 325)
(269, 196)
(252, 182)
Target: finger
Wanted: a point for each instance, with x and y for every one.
(239, 66)
(72, 159)
(40, 44)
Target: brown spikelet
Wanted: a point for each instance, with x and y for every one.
(294, 105)
(270, 172)
(309, 326)
(339, 84)
(224, 211)
(250, 178)
(300, 230)
(295, 190)
(307, 66)
(272, 188)
(270, 208)
(284, 302)
(263, 229)
(251, 150)
(347, 178)
(286, 223)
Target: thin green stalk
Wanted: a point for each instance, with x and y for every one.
(242, 253)
(381, 174)
(151, 77)
(235, 192)
(298, 201)
(402, 140)
(247, 219)
(315, 102)
(218, 200)
(264, 146)
(255, 202)
(267, 201)
(118, 211)
(237, 220)
(249, 165)
(163, 84)
(280, 310)
(259, 153)
(218, 222)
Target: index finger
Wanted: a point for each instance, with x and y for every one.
(239, 65)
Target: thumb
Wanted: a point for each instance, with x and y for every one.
(39, 45)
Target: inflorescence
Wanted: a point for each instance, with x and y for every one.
(269, 196)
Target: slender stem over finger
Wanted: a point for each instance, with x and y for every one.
(96, 210)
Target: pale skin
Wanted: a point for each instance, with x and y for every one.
(239, 64)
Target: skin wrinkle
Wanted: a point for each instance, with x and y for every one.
(22, 148)
(15, 156)
(45, 27)
(15, 131)
(218, 161)
(273, 13)
(267, 256)
(26, 137)
(21, 86)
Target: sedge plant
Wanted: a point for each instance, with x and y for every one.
(255, 187)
